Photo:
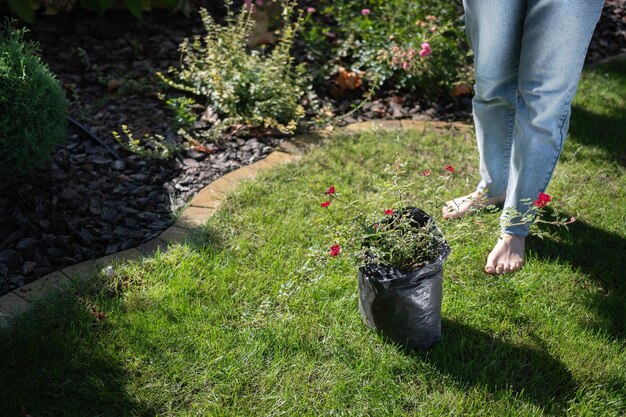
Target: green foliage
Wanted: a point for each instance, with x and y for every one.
(32, 108)
(154, 147)
(338, 33)
(381, 230)
(242, 86)
(229, 323)
(23, 9)
(184, 116)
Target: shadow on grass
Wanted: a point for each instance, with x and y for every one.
(53, 363)
(476, 358)
(606, 130)
(601, 131)
(58, 360)
(600, 255)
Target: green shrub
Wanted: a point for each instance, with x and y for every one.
(32, 108)
(340, 33)
(253, 87)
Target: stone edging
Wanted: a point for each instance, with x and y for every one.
(201, 207)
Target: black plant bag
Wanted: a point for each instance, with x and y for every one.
(406, 306)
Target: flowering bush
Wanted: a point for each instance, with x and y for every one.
(419, 46)
(384, 230)
(241, 87)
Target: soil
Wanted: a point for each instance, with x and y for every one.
(95, 200)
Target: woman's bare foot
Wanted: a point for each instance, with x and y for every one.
(461, 206)
(507, 256)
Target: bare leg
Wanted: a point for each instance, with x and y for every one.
(461, 206)
(507, 256)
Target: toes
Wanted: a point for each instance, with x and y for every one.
(500, 268)
(450, 212)
(490, 268)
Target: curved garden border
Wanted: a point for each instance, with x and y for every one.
(201, 207)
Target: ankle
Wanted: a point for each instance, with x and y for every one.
(498, 199)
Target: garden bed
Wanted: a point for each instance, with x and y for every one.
(236, 322)
(89, 203)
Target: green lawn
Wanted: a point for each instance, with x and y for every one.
(233, 325)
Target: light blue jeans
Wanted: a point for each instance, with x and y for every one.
(528, 57)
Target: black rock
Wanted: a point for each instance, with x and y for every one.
(28, 267)
(11, 258)
(17, 281)
(69, 194)
(119, 165)
(4, 270)
(109, 214)
(121, 232)
(25, 244)
(54, 252)
(112, 248)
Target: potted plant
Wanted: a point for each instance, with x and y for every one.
(399, 250)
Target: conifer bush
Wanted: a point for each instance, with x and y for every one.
(32, 108)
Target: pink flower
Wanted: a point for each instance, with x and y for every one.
(331, 190)
(542, 200)
(389, 212)
(325, 204)
(426, 172)
(259, 2)
(365, 12)
(406, 66)
(248, 4)
(449, 168)
(426, 50)
(335, 250)
(431, 17)
(310, 9)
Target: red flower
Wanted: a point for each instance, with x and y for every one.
(542, 200)
(426, 172)
(331, 190)
(325, 204)
(334, 250)
(449, 168)
(389, 212)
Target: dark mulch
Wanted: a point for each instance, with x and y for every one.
(89, 203)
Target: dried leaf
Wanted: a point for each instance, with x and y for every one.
(113, 85)
(461, 89)
(349, 80)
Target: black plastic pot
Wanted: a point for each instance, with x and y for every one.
(406, 306)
